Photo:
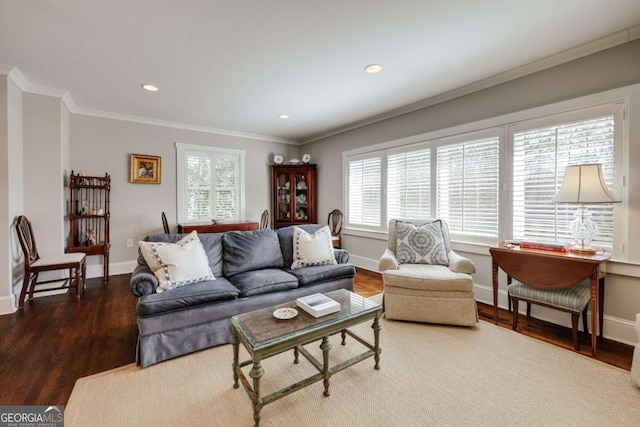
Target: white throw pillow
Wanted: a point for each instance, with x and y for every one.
(312, 249)
(177, 264)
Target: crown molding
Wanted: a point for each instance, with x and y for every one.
(18, 78)
(176, 125)
(594, 46)
(14, 75)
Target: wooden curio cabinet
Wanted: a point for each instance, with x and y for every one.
(294, 195)
(89, 217)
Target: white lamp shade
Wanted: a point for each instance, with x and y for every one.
(584, 184)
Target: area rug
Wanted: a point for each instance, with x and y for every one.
(430, 376)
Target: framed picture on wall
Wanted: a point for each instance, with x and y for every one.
(145, 169)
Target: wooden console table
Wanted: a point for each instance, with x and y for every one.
(551, 270)
(220, 226)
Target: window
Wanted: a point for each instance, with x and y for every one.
(495, 183)
(409, 184)
(364, 191)
(210, 183)
(468, 184)
(456, 179)
(540, 156)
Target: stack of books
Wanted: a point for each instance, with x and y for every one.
(318, 305)
(546, 246)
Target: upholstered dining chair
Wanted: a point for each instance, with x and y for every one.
(424, 279)
(264, 219)
(35, 264)
(165, 224)
(335, 226)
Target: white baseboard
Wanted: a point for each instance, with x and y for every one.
(8, 304)
(616, 329)
(115, 268)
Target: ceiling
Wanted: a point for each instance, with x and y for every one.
(234, 66)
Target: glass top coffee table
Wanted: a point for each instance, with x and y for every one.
(264, 336)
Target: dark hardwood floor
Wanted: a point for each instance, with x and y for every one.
(56, 340)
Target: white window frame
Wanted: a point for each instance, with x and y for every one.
(181, 151)
(621, 97)
(615, 109)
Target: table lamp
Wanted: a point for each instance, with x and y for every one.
(583, 184)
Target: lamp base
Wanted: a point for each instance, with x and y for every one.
(580, 249)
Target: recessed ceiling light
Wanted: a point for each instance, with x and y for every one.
(284, 116)
(373, 68)
(149, 87)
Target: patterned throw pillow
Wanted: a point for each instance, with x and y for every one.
(312, 249)
(421, 245)
(177, 264)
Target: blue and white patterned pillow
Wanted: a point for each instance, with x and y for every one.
(421, 245)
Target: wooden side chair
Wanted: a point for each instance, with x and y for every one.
(335, 226)
(264, 219)
(34, 264)
(165, 224)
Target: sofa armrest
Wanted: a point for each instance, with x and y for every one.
(342, 256)
(460, 264)
(388, 261)
(143, 281)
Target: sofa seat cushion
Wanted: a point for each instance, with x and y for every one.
(250, 250)
(187, 296)
(322, 273)
(263, 281)
(427, 278)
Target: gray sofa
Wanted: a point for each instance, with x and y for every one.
(251, 272)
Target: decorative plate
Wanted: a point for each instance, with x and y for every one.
(285, 313)
(306, 158)
(278, 159)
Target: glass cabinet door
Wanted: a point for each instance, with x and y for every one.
(284, 196)
(301, 198)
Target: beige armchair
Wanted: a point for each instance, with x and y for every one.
(428, 293)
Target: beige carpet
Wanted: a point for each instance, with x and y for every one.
(430, 376)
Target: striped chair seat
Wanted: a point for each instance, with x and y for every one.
(574, 299)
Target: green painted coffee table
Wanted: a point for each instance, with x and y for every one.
(264, 336)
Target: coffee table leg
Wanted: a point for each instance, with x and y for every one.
(344, 337)
(296, 353)
(376, 343)
(235, 343)
(256, 373)
(325, 347)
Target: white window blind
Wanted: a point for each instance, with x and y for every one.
(409, 185)
(467, 186)
(210, 183)
(365, 184)
(539, 161)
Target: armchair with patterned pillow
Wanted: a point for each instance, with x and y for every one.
(424, 279)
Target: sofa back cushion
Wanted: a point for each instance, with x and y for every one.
(285, 235)
(211, 242)
(250, 250)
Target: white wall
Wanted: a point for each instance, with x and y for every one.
(11, 194)
(613, 68)
(43, 171)
(100, 145)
